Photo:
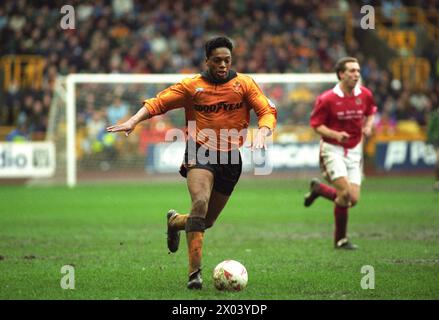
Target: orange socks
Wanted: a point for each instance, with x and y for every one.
(195, 245)
(194, 234)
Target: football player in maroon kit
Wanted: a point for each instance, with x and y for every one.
(341, 116)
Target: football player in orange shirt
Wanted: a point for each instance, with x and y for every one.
(218, 101)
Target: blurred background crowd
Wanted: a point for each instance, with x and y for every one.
(167, 36)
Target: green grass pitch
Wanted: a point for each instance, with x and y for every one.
(114, 236)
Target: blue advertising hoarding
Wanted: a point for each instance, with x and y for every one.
(404, 155)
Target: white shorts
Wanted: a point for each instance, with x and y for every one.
(336, 162)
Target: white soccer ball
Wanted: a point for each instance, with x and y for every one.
(230, 275)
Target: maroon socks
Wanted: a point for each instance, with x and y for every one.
(341, 222)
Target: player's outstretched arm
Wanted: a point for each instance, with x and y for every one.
(129, 125)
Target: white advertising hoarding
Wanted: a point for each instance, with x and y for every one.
(27, 159)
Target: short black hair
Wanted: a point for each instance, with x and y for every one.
(340, 66)
(218, 42)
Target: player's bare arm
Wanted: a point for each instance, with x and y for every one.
(324, 131)
(129, 125)
(368, 125)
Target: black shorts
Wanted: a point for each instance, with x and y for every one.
(226, 166)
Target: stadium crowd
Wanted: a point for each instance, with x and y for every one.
(165, 36)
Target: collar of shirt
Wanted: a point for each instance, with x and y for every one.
(206, 75)
(337, 90)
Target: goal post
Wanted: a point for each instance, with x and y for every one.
(102, 86)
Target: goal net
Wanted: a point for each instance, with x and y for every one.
(85, 104)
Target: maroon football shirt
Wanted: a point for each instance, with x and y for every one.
(340, 113)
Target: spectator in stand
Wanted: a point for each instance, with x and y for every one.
(19, 134)
(117, 111)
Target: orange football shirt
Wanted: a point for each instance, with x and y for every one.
(221, 111)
